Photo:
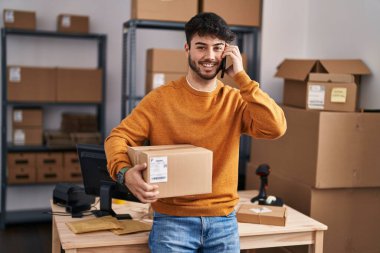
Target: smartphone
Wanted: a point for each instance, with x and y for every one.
(223, 66)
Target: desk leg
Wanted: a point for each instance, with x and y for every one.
(56, 243)
(317, 247)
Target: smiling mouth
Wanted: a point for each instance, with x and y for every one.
(208, 65)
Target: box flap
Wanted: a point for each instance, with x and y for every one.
(354, 67)
(295, 69)
(331, 78)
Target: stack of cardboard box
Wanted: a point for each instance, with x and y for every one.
(327, 163)
(27, 126)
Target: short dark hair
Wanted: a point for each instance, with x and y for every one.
(208, 23)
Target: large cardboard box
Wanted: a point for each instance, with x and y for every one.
(73, 23)
(351, 214)
(259, 214)
(22, 117)
(17, 19)
(178, 170)
(27, 136)
(163, 10)
(163, 66)
(79, 85)
(239, 13)
(31, 84)
(325, 149)
(300, 92)
(21, 168)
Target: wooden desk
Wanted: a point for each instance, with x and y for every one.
(299, 230)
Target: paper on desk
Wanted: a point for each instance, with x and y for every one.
(95, 224)
(132, 226)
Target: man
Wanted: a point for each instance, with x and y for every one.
(197, 109)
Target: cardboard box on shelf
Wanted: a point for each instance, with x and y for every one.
(325, 149)
(27, 136)
(300, 91)
(178, 170)
(17, 19)
(79, 85)
(163, 66)
(173, 10)
(87, 138)
(229, 80)
(351, 214)
(22, 117)
(240, 13)
(54, 138)
(70, 23)
(260, 214)
(79, 122)
(49, 167)
(21, 168)
(31, 84)
(71, 167)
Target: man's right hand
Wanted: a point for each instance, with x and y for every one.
(146, 193)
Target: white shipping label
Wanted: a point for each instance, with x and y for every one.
(19, 137)
(158, 169)
(17, 116)
(9, 16)
(261, 210)
(66, 21)
(316, 97)
(158, 80)
(15, 74)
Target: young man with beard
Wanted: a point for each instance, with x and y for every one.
(197, 109)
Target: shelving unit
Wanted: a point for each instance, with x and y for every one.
(33, 214)
(247, 40)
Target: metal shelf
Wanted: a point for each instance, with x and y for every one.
(7, 216)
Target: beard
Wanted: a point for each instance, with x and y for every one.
(197, 69)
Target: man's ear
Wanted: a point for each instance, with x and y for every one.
(187, 49)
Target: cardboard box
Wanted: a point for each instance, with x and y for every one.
(31, 84)
(351, 214)
(69, 23)
(79, 85)
(178, 170)
(22, 117)
(229, 80)
(325, 149)
(21, 168)
(71, 167)
(58, 139)
(49, 167)
(163, 10)
(156, 79)
(87, 138)
(79, 122)
(27, 136)
(17, 19)
(164, 65)
(259, 214)
(297, 89)
(240, 13)
(166, 60)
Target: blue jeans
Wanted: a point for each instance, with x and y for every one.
(194, 234)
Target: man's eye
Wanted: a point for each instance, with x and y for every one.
(201, 48)
(218, 48)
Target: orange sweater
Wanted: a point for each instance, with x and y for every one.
(175, 113)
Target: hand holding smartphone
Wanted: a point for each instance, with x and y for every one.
(223, 66)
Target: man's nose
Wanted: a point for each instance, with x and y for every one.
(210, 54)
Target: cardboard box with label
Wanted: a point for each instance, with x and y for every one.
(22, 117)
(240, 13)
(163, 10)
(262, 214)
(69, 23)
(17, 19)
(351, 214)
(27, 136)
(178, 170)
(49, 167)
(79, 85)
(164, 65)
(325, 149)
(31, 84)
(331, 92)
